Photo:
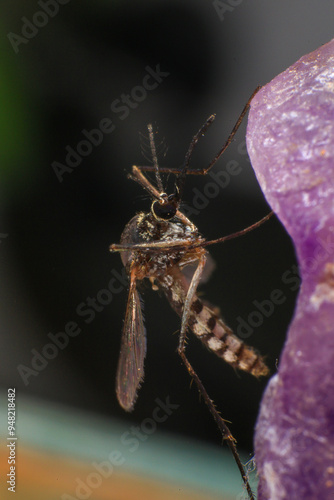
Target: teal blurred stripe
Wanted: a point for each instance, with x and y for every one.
(59, 429)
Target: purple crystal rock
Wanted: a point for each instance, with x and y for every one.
(290, 139)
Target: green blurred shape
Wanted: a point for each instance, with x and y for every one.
(19, 127)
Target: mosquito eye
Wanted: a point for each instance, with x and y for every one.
(166, 211)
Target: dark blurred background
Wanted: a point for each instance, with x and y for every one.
(62, 78)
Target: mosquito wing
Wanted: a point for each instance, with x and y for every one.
(130, 371)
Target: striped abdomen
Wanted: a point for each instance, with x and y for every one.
(211, 329)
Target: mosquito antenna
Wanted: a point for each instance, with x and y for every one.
(181, 177)
(145, 147)
(154, 157)
(162, 148)
(147, 155)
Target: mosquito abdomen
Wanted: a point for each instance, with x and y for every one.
(211, 329)
(220, 339)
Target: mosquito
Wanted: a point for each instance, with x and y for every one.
(160, 245)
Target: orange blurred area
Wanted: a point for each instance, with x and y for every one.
(46, 476)
(65, 454)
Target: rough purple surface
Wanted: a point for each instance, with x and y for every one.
(290, 141)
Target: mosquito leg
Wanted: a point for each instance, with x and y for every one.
(189, 298)
(238, 233)
(229, 139)
(137, 174)
(170, 246)
(226, 433)
(203, 171)
(194, 141)
(182, 176)
(164, 170)
(166, 246)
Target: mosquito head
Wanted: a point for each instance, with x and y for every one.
(165, 207)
